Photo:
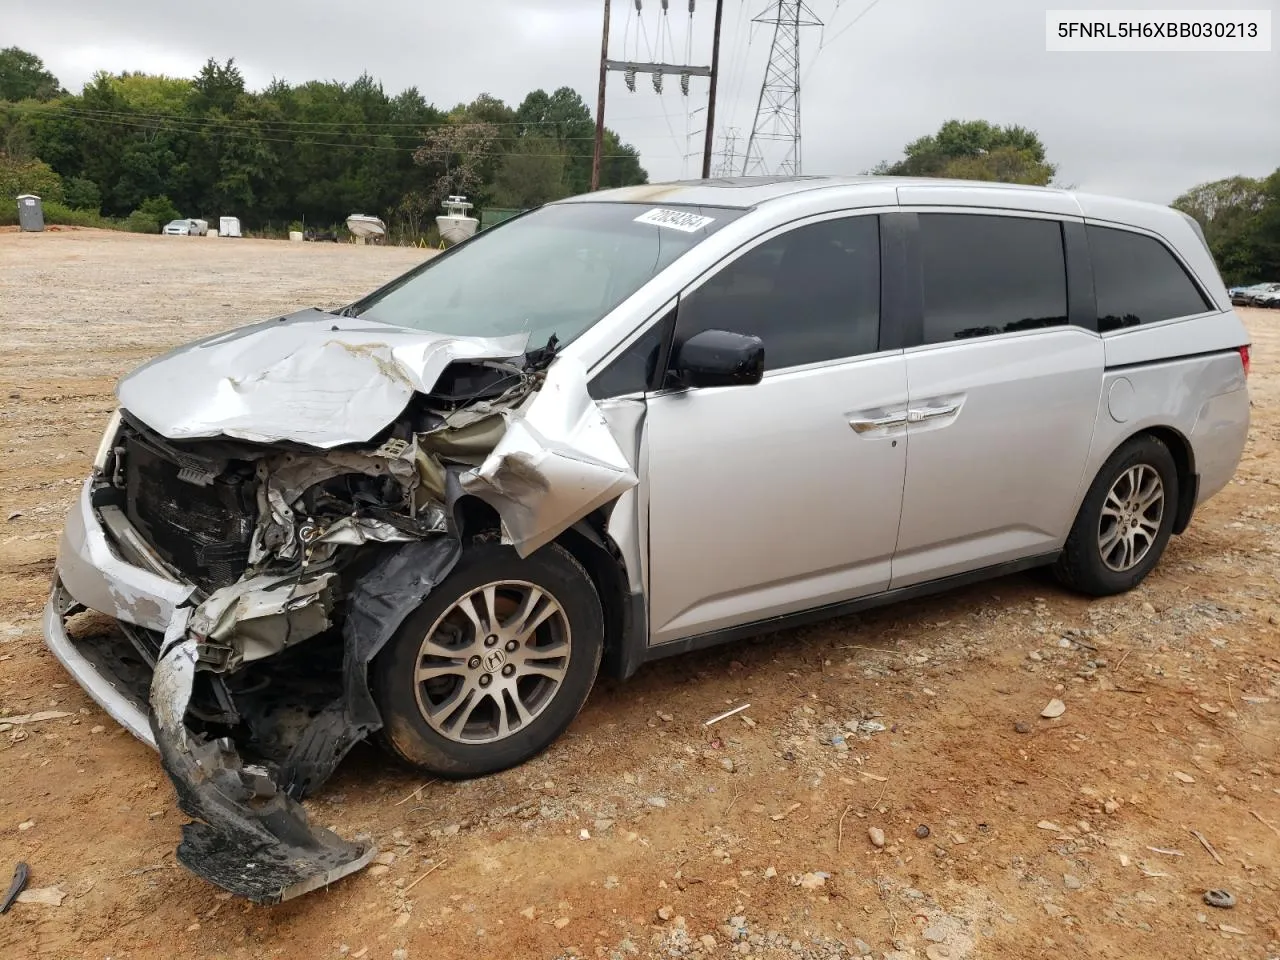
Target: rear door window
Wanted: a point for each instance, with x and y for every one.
(1137, 280)
(985, 275)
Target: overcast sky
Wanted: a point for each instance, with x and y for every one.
(1146, 126)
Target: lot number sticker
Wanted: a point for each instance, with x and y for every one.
(675, 220)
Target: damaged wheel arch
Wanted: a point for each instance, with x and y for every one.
(626, 626)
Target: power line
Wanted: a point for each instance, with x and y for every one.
(262, 129)
(251, 137)
(741, 55)
(139, 115)
(824, 43)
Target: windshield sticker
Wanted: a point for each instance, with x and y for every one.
(675, 219)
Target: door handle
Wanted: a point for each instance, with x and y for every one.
(878, 423)
(922, 414)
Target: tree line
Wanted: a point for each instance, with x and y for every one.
(1240, 217)
(137, 145)
(145, 147)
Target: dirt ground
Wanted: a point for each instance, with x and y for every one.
(644, 833)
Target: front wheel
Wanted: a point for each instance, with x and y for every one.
(494, 665)
(1125, 521)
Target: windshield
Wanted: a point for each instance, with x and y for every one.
(557, 270)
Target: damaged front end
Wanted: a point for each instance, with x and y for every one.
(255, 579)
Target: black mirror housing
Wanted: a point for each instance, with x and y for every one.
(719, 358)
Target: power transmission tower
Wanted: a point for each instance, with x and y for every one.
(727, 158)
(778, 109)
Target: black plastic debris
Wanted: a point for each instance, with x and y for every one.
(20, 875)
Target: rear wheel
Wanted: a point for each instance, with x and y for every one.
(1125, 521)
(494, 665)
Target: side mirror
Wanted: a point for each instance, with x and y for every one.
(718, 358)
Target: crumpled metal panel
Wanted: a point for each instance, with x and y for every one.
(261, 616)
(311, 377)
(557, 461)
(249, 836)
(628, 522)
(99, 579)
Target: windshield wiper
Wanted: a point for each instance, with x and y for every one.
(541, 358)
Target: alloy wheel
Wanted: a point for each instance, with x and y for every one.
(492, 662)
(1131, 517)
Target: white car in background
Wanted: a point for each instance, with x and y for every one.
(186, 228)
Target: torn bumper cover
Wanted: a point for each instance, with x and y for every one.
(248, 836)
(217, 665)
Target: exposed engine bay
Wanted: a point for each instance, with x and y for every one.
(301, 562)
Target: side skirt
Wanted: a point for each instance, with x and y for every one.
(844, 608)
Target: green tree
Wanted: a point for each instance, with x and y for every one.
(1228, 212)
(1240, 218)
(82, 194)
(1002, 165)
(217, 87)
(975, 150)
(1266, 241)
(28, 176)
(530, 175)
(458, 151)
(152, 94)
(23, 77)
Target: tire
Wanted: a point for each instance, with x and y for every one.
(464, 736)
(1084, 565)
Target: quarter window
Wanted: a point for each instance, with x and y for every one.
(986, 275)
(633, 370)
(1137, 280)
(811, 294)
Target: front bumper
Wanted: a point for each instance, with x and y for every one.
(106, 689)
(252, 837)
(90, 573)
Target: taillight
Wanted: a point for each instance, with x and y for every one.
(1244, 358)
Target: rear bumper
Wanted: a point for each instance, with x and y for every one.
(1218, 440)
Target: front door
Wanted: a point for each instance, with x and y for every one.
(773, 498)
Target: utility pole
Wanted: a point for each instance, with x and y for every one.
(604, 77)
(658, 70)
(711, 95)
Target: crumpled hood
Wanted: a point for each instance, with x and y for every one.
(312, 377)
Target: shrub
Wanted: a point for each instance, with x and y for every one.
(63, 215)
(152, 214)
(139, 222)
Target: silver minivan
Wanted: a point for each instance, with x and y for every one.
(615, 428)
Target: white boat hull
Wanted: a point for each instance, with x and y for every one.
(367, 227)
(456, 229)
